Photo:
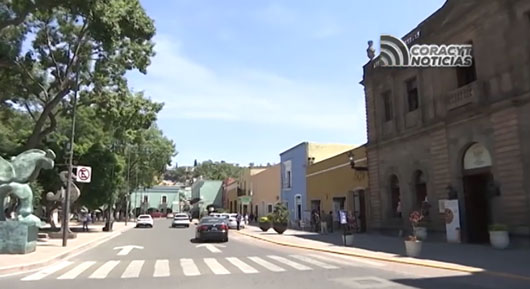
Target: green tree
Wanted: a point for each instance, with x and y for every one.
(217, 170)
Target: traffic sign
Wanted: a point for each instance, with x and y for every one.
(84, 174)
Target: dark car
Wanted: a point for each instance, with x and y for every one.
(212, 229)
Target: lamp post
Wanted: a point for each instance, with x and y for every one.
(353, 165)
(66, 204)
(128, 186)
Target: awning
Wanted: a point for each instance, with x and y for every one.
(245, 200)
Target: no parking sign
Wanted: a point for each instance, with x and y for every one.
(84, 174)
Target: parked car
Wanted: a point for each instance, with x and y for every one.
(232, 221)
(144, 221)
(156, 215)
(212, 229)
(181, 220)
(170, 215)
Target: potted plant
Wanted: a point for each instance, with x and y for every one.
(280, 218)
(413, 246)
(264, 223)
(418, 225)
(499, 237)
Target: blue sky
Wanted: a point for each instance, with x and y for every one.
(244, 80)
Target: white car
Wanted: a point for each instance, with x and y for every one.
(182, 219)
(232, 221)
(144, 221)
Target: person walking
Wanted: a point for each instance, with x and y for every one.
(246, 219)
(238, 221)
(329, 219)
(84, 218)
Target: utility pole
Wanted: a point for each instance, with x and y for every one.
(66, 204)
(128, 185)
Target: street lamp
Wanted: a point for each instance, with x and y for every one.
(352, 163)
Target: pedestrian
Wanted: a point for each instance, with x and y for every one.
(246, 219)
(238, 220)
(251, 217)
(329, 219)
(84, 218)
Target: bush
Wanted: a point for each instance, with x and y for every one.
(264, 219)
(280, 215)
(498, 227)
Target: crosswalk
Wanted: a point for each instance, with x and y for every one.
(185, 267)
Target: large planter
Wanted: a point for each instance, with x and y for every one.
(413, 248)
(279, 227)
(265, 226)
(420, 233)
(347, 240)
(499, 239)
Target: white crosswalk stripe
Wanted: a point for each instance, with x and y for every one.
(72, 274)
(161, 268)
(290, 263)
(48, 271)
(314, 262)
(189, 268)
(133, 270)
(68, 270)
(244, 267)
(104, 270)
(268, 265)
(215, 266)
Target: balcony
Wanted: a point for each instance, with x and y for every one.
(462, 96)
(241, 192)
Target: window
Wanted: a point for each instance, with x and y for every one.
(146, 199)
(395, 196)
(387, 101)
(164, 199)
(269, 208)
(412, 94)
(466, 75)
(289, 179)
(421, 188)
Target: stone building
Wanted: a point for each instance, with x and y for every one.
(461, 133)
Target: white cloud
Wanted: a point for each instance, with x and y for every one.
(193, 91)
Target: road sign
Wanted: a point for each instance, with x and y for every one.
(124, 250)
(84, 174)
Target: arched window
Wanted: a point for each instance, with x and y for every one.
(421, 188)
(395, 196)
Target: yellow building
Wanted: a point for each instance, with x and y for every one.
(242, 201)
(265, 188)
(230, 191)
(339, 183)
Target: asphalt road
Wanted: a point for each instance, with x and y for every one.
(169, 258)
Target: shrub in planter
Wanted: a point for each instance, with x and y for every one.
(499, 237)
(279, 218)
(264, 224)
(413, 246)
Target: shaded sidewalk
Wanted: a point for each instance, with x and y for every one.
(50, 250)
(512, 263)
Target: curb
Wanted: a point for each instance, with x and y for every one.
(18, 269)
(410, 261)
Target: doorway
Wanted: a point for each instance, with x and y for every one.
(477, 206)
(359, 209)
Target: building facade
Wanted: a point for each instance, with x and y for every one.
(164, 199)
(245, 189)
(335, 184)
(207, 195)
(455, 133)
(265, 190)
(294, 162)
(231, 195)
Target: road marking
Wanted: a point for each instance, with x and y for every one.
(124, 250)
(189, 268)
(270, 266)
(72, 274)
(161, 268)
(104, 270)
(244, 267)
(48, 271)
(314, 262)
(290, 263)
(210, 247)
(133, 270)
(347, 260)
(215, 266)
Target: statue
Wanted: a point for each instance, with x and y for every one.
(58, 197)
(20, 236)
(370, 51)
(15, 177)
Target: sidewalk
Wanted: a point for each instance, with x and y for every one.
(50, 250)
(511, 263)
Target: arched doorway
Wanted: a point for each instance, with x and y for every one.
(476, 178)
(420, 185)
(395, 196)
